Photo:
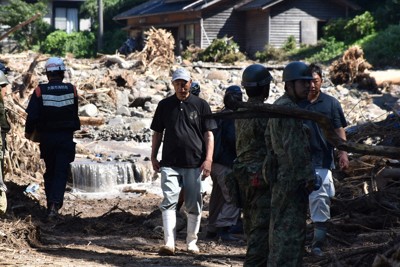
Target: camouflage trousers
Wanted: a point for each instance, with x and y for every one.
(287, 226)
(256, 209)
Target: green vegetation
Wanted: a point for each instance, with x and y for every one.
(376, 30)
(351, 30)
(17, 11)
(290, 44)
(271, 53)
(80, 44)
(113, 37)
(222, 50)
(380, 47)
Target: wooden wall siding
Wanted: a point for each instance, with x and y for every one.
(221, 21)
(164, 20)
(257, 28)
(286, 17)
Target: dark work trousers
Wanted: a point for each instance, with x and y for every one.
(57, 150)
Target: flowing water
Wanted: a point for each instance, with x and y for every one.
(91, 176)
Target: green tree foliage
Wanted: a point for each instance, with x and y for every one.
(290, 44)
(382, 49)
(113, 40)
(112, 29)
(271, 53)
(55, 43)
(386, 12)
(80, 44)
(350, 30)
(110, 9)
(18, 11)
(222, 50)
(335, 27)
(330, 49)
(360, 26)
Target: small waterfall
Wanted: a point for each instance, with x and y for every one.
(91, 176)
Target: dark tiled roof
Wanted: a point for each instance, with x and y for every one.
(154, 7)
(267, 3)
(258, 4)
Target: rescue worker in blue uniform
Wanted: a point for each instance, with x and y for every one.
(53, 113)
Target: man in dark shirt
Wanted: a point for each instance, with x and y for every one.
(223, 214)
(323, 154)
(186, 157)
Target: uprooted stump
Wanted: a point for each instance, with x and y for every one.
(351, 68)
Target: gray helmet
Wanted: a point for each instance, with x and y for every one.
(3, 79)
(256, 75)
(296, 71)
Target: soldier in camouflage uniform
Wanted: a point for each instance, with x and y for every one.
(289, 173)
(251, 151)
(4, 128)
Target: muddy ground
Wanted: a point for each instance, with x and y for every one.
(125, 231)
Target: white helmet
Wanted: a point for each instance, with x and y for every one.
(55, 64)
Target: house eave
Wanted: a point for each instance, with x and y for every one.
(195, 6)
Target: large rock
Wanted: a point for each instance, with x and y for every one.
(89, 110)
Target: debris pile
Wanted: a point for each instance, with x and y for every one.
(353, 68)
(158, 49)
(118, 96)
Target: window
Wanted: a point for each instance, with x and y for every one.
(66, 19)
(189, 33)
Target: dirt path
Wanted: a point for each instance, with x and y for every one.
(126, 231)
(101, 232)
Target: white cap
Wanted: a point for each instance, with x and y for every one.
(181, 74)
(55, 64)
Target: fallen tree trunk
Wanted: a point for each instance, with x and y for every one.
(27, 79)
(385, 77)
(19, 26)
(91, 121)
(256, 110)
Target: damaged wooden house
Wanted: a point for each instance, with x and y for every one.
(252, 23)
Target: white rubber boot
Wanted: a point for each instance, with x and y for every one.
(193, 226)
(169, 224)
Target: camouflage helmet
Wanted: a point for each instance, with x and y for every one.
(296, 71)
(256, 75)
(3, 79)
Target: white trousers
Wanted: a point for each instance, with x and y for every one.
(320, 200)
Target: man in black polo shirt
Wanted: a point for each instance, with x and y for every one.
(323, 155)
(186, 157)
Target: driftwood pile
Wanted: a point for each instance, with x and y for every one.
(352, 68)
(23, 159)
(158, 50)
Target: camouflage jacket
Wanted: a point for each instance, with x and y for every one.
(289, 141)
(250, 143)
